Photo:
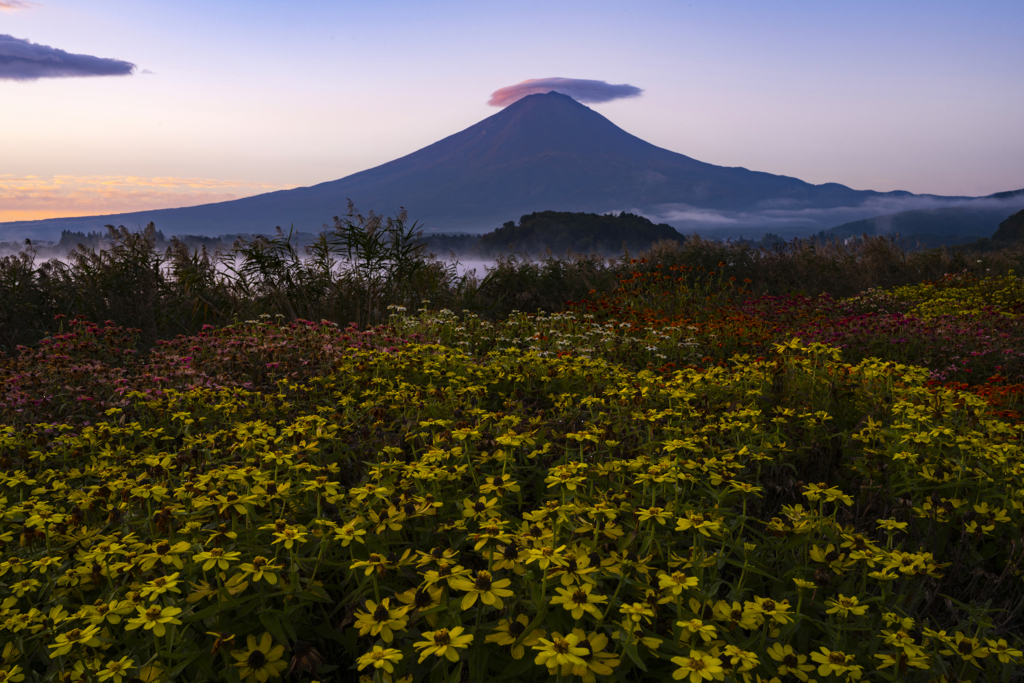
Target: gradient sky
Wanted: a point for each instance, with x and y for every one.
(247, 96)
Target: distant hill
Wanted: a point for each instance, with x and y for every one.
(559, 231)
(583, 233)
(545, 152)
(1011, 230)
(935, 227)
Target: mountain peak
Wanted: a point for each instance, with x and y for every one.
(543, 152)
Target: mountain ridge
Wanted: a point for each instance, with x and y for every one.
(545, 152)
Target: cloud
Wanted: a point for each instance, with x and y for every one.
(29, 198)
(772, 215)
(11, 5)
(21, 60)
(579, 89)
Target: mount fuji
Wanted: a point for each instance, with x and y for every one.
(543, 152)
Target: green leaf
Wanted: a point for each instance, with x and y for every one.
(456, 675)
(176, 671)
(632, 653)
(271, 620)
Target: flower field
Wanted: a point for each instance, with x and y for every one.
(680, 479)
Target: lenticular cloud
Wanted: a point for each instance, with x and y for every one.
(21, 60)
(580, 89)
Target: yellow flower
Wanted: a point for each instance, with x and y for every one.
(20, 588)
(508, 631)
(290, 536)
(578, 600)
(968, 649)
(707, 632)
(115, 670)
(380, 658)
(676, 582)
(216, 557)
(260, 661)
(790, 662)
(1004, 652)
(422, 599)
(904, 659)
(106, 611)
(165, 553)
(154, 619)
(845, 606)
(483, 586)
(835, 662)
(12, 675)
(559, 651)
(637, 612)
(547, 556)
(160, 585)
(660, 515)
(480, 508)
(381, 619)
(443, 643)
(64, 642)
(737, 615)
(741, 659)
(350, 532)
(768, 607)
(699, 666)
(261, 569)
(597, 662)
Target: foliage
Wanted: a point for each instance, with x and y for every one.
(659, 482)
(583, 233)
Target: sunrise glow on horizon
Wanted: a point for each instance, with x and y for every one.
(232, 99)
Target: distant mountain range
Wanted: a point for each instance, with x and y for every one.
(939, 226)
(545, 152)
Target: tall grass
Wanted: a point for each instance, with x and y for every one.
(363, 265)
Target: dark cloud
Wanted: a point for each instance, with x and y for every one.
(21, 60)
(580, 89)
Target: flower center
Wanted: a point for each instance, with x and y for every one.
(441, 638)
(74, 634)
(790, 660)
(580, 597)
(837, 658)
(163, 547)
(381, 613)
(515, 629)
(483, 581)
(256, 659)
(768, 605)
(561, 646)
(153, 613)
(965, 647)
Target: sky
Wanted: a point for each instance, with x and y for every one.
(193, 102)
